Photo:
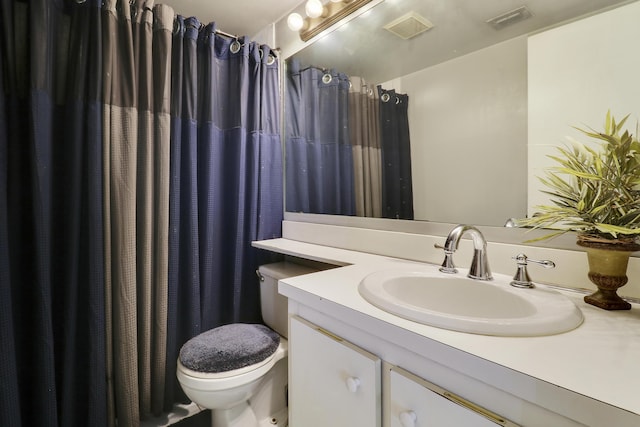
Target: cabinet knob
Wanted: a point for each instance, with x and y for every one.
(353, 383)
(408, 418)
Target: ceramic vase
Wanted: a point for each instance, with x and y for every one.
(608, 271)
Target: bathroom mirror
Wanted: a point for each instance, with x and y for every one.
(467, 88)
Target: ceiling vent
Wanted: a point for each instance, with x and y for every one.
(409, 25)
(510, 18)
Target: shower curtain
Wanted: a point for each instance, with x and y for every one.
(364, 131)
(226, 181)
(347, 146)
(139, 157)
(319, 172)
(136, 79)
(52, 309)
(397, 186)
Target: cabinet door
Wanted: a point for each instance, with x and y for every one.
(331, 381)
(415, 402)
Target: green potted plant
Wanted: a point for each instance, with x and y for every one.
(596, 193)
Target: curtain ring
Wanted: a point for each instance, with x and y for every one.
(326, 78)
(260, 53)
(369, 91)
(271, 59)
(80, 1)
(385, 97)
(235, 46)
(397, 100)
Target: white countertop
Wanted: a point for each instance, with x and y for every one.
(600, 359)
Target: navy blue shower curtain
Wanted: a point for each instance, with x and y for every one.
(226, 185)
(397, 186)
(52, 320)
(319, 173)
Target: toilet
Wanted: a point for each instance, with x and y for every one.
(239, 371)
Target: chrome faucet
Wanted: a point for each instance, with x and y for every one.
(479, 264)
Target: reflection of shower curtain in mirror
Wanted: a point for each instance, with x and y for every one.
(319, 169)
(397, 189)
(364, 130)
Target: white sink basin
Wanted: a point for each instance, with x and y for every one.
(458, 303)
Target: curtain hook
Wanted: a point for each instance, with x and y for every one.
(235, 46)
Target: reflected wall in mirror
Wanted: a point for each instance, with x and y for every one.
(467, 89)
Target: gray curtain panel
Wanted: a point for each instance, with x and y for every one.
(136, 60)
(364, 128)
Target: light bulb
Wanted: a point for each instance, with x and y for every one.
(295, 22)
(314, 8)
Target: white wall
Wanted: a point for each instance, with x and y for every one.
(468, 117)
(576, 73)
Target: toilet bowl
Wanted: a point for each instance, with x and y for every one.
(239, 371)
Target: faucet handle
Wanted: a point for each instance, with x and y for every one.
(447, 265)
(522, 279)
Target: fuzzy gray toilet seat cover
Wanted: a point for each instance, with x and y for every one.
(229, 347)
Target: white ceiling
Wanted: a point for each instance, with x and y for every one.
(366, 49)
(248, 17)
(239, 17)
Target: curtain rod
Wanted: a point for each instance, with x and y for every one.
(229, 35)
(222, 33)
(233, 36)
(216, 31)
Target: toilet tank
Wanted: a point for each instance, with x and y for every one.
(274, 305)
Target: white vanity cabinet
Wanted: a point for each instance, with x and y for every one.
(342, 375)
(411, 401)
(331, 381)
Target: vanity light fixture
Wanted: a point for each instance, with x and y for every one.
(296, 22)
(322, 16)
(314, 9)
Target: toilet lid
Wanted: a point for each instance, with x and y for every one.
(229, 347)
